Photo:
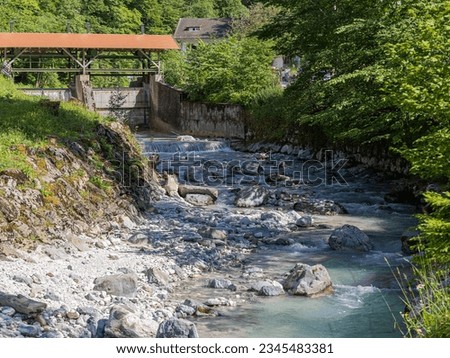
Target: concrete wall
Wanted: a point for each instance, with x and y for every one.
(136, 103)
(205, 119)
(172, 112)
(54, 94)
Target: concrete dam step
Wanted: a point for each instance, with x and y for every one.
(161, 146)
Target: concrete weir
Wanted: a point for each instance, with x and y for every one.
(131, 103)
(155, 105)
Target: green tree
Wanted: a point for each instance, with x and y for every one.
(233, 70)
(339, 84)
(230, 8)
(200, 8)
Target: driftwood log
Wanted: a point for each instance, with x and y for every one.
(22, 304)
(184, 190)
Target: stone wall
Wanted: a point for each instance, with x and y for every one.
(171, 111)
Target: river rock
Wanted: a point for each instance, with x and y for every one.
(217, 234)
(22, 304)
(117, 285)
(177, 328)
(319, 207)
(220, 283)
(257, 286)
(124, 323)
(271, 290)
(199, 199)
(29, 331)
(185, 310)
(349, 237)
(305, 221)
(157, 276)
(171, 184)
(251, 197)
(305, 280)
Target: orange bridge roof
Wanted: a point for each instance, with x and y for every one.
(87, 41)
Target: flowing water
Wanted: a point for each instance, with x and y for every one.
(366, 301)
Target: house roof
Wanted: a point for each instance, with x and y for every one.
(87, 41)
(205, 28)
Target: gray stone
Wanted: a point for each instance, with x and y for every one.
(307, 280)
(177, 328)
(271, 291)
(252, 196)
(171, 184)
(256, 286)
(349, 237)
(219, 234)
(73, 315)
(22, 279)
(138, 239)
(186, 310)
(319, 207)
(117, 285)
(157, 276)
(124, 323)
(305, 221)
(29, 331)
(199, 199)
(22, 304)
(78, 243)
(8, 311)
(221, 283)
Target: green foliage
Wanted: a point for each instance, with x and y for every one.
(110, 16)
(428, 302)
(233, 70)
(434, 241)
(27, 124)
(416, 56)
(339, 83)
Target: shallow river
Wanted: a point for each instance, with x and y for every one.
(366, 300)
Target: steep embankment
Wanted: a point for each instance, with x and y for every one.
(65, 171)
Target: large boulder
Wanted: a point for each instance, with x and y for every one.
(177, 328)
(124, 323)
(349, 237)
(306, 280)
(117, 285)
(253, 196)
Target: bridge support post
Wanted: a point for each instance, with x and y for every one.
(83, 91)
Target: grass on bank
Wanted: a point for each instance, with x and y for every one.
(427, 302)
(25, 123)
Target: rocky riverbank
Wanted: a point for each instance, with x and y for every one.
(188, 255)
